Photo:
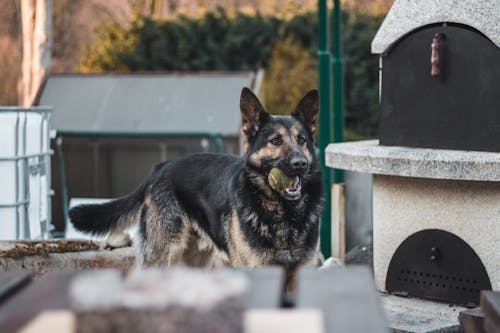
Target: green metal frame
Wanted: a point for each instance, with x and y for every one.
(215, 137)
(64, 186)
(325, 124)
(338, 83)
(331, 118)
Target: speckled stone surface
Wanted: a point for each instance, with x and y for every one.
(407, 15)
(468, 209)
(418, 315)
(369, 156)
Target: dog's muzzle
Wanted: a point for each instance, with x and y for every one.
(294, 191)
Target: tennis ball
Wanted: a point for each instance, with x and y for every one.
(278, 180)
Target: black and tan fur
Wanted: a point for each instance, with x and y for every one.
(194, 209)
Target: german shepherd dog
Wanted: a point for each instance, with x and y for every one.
(195, 207)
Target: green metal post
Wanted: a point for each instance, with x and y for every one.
(338, 82)
(62, 174)
(217, 142)
(325, 124)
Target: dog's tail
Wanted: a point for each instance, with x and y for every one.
(118, 214)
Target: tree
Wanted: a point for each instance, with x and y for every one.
(36, 19)
(361, 73)
(214, 42)
(10, 52)
(292, 72)
(218, 41)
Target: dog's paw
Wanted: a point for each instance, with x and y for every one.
(118, 239)
(331, 263)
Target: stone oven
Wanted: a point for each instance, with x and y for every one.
(440, 75)
(436, 191)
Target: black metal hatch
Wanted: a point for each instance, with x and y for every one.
(437, 264)
(440, 88)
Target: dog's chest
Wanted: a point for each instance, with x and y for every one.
(276, 240)
(289, 244)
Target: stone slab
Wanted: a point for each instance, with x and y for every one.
(39, 265)
(472, 320)
(55, 321)
(347, 297)
(283, 321)
(50, 292)
(408, 15)
(368, 156)
(22, 248)
(412, 315)
(490, 305)
(360, 255)
(266, 286)
(178, 299)
(12, 282)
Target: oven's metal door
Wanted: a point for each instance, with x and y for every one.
(459, 108)
(437, 264)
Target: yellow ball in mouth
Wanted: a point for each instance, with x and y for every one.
(278, 180)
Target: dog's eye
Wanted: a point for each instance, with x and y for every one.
(301, 140)
(276, 141)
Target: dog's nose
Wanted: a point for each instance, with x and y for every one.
(298, 163)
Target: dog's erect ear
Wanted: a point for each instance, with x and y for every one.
(307, 110)
(253, 114)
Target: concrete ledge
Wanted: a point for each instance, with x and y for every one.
(370, 157)
(122, 259)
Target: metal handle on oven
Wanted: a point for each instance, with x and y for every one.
(435, 46)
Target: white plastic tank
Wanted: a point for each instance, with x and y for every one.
(24, 173)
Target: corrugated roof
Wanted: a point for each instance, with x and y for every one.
(142, 103)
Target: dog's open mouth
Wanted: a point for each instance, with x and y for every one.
(289, 187)
(294, 190)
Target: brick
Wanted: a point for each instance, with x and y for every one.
(153, 300)
(50, 292)
(12, 282)
(266, 286)
(472, 320)
(283, 321)
(55, 321)
(490, 305)
(347, 297)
